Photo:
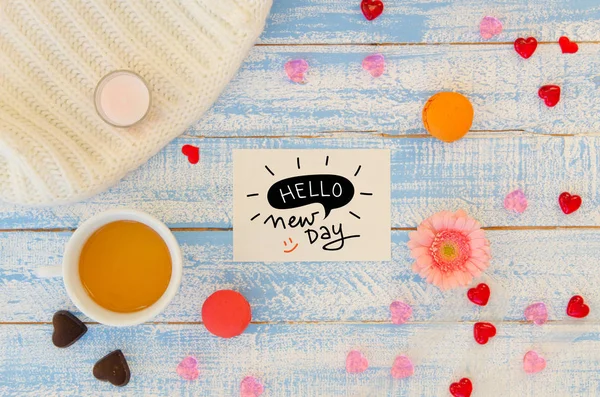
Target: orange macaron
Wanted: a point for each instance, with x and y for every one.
(448, 116)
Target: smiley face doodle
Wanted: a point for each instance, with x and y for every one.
(285, 244)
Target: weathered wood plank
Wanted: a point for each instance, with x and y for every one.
(427, 176)
(418, 21)
(308, 359)
(305, 360)
(339, 95)
(528, 266)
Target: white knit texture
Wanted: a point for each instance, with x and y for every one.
(54, 148)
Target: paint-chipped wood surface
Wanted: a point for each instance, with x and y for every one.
(330, 292)
(307, 316)
(305, 360)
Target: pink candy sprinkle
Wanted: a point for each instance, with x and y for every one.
(374, 64)
(251, 387)
(533, 362)
(490, 27)
(402, 368)
(538, 313)
(188, 368)
(356, 362)
(400, 311)
(295, 70)
(516, 201)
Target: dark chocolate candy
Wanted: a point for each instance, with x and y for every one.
(113, 368)
(67, 329)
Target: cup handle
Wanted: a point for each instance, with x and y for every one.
(48, 271)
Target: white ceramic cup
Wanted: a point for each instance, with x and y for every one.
(76, 291)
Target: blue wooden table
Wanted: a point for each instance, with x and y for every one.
(307, 316)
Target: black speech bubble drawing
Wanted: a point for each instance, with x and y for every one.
(331, 191)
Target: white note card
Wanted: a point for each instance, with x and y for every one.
(311, 205)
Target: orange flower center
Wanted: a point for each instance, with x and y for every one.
(450, 250)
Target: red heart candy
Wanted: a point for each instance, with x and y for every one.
(569, 204)
(483, 332)
(576, 308)
(479, 295)
(462, 388)
(371, 9)
(525, 47)
(567, 46)
(550, 94)
(192, 153)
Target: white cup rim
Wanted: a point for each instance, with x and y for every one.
(80, 297)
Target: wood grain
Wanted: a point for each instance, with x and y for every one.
(527, 266)
(307, 316)
(418, 21)
(340, 96)
(427, 176)
(305, 360)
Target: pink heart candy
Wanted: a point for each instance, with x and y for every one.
(537, 312)
(295, 70)
(490, 27)
(356, 362)
(402, 368)
(401, 312)
(533, 362)
(374, 64)
(251, 387)
(516, 201)
(188, 368)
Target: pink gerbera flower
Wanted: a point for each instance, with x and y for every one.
(449, 249)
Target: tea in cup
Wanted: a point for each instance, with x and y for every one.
(122, 267)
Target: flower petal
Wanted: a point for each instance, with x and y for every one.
(444, 283)
(477, 234)
(437, 278)
(461, 214)
(470, 225)
(484, 251)
(415, 267)
(481, 264)
(454, 281)
(470, 266)
(460, 223)
(437, 221)
(424, 239)
(477, 243)
(449, 220)
(430, 275)
(426, 230)
(415, 253)
(424, 262)
(465, 278)
(413, 244)
(476, 226)
(462, 279)
(427, 224)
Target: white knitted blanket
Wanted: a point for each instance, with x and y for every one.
(54, 148)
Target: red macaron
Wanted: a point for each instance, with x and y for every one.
(226, 313)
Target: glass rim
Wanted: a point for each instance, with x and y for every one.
(103, 82)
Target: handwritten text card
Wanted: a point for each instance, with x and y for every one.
(311, 205)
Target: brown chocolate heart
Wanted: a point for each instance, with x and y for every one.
(67, 329)
(113, 368)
